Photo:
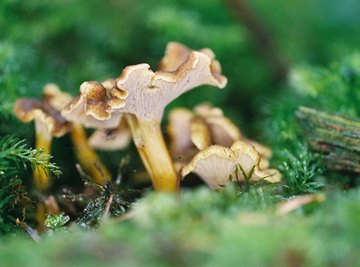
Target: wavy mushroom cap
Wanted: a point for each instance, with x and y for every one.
(51, 121)
(150, 92)
(213, 165)
(248, 158)
(142, 92)
(93, 108)
(176, 54)
(216, 164)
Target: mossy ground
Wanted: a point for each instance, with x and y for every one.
(201, 229)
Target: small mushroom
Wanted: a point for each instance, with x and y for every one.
(188, 135)
(111, 139)
(216, 165)
(48, 123)
(143, 95)
(223, 131)
(179, 132)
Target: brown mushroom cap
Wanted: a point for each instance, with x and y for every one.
(176, 54)
(111, 139)
(27, 109)
(94, 106)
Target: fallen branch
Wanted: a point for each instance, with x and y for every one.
(337, 138)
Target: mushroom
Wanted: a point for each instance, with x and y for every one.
(188, 135)
(143, 95)
(179, 131)
(216, 165)
(86, 156)
(111, 139)
(48, 123)
(94, 105)
(224, 131)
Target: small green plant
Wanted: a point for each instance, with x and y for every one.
(14, 155)
(14, 202)
(57, 221)
(300, 171)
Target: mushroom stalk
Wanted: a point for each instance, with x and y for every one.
(43, 141)
(87, 157)
(150, 143)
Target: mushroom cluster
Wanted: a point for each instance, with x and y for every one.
(203, 141)
(140, 96)
(192, 131)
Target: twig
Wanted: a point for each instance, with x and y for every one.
(107, 206)
(263, 39)
(127, 216)
(31, 232)
(298, 202)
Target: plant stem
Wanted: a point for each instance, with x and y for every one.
(336, 137)
(150, 143)
(43, 141)
(87, 157)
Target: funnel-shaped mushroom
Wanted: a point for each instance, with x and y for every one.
(87, 158)
(216, 165)
(48, 123)
(145, 95)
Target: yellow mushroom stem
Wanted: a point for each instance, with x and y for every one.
(87, 157)
(43, 141)
(150, 143)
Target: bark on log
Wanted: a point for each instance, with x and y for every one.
(337, 138)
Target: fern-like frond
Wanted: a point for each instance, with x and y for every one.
(14, 155)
